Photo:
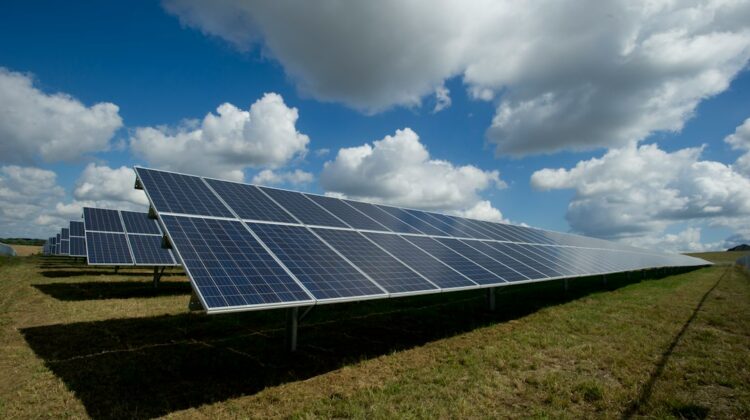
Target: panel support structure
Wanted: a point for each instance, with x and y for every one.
(292, 321)
(491, 299)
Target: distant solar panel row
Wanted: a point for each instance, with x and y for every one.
(115, 237)
(247, 247)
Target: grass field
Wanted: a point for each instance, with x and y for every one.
(83, 342)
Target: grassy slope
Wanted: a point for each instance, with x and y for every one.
(82, 341)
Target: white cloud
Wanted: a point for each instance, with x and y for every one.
(442, 98)
(565, 75)
(398, 170)
(482, 210)
(637, 192)
(224, 144)
(270, 177)
(53, 127)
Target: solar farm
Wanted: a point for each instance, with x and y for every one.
(224, 299)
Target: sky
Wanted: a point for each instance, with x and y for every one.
(624, 120)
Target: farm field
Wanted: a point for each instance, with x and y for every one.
(81, 341)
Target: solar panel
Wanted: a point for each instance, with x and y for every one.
(107, 248)
(347, 213)
(249, 202)
(247, 247)
(65, 233)
(101, 220)
(77, 246)
(183, 194)
(457, 261)
(229, 267)
(139, 223)
(425, 264)
(77, 229)
(303, 208)
(148, 250)
(392, 223)
(321, 270)
(384, 269)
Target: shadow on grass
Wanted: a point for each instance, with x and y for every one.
(147, 367)
(112, 290)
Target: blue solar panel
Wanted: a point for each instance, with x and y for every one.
(323, 272)
(65, 234)
(184, 194)
(385, 219)
(227, 265)
(496, 266)
(106, 248)
(346, 213)
(76, 229)
(102, 220)
(65, 247)
(412, 220)
(425, 264)
(148, 250)
(77, 246)
(508, 260)
(515, 251)
(303, 208)
(458, 262)
(139, 223)
(385, 270)
(249, 202)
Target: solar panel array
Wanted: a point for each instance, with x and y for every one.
(115, 237)
(248, 247)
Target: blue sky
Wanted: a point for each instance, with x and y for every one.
(162, 64)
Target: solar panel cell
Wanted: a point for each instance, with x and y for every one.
(249, 202)
(183, 194)
(424, 263)
(385, 270)
(228, 266)
(139, 223)
(107, 248)
(323, 272)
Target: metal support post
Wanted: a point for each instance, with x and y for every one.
(491, 299)
(291, 328)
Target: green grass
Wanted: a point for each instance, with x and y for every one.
(83, 342)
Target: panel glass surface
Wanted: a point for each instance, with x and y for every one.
(65, 233)
(76, 229)
(228, 266)
(249, 202)
(456, 261)
(392, 223)
(385, 270)
(184, 194)
(346, 213)
(428, 266)
(77, 246)
(102, 220)
(139, 223)
(323, 272)
(302, 208)
(106, 248)
(147, 250)
(498, 267)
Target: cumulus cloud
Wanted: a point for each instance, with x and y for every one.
(270, 177)
(635, 192)
(224, 144)
(398, 170)
(52, 127)
(564, 75)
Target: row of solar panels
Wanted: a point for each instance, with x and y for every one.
(112, 237)
(248, 247)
